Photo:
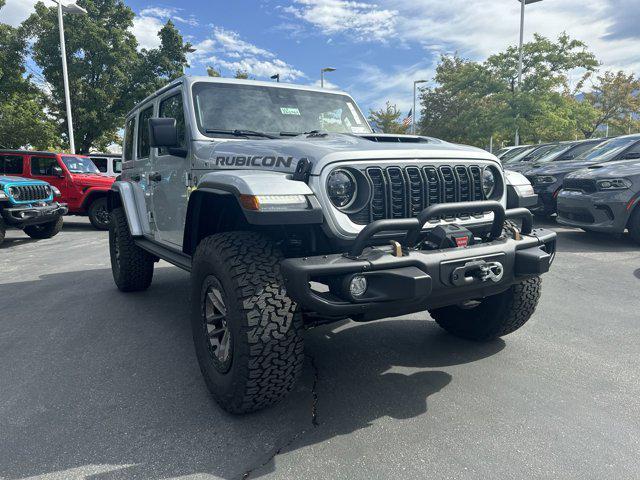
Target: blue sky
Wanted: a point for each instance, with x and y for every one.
(378, 48)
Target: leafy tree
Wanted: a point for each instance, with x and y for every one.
(107, 74)
(212, 72)
(241, 74)
(388, 119)
(23, 122)
(614, 99)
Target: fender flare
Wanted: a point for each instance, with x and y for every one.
(123, 194)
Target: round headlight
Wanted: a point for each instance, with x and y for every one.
(342, 188)
(488, 182)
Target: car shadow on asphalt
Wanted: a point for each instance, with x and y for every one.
(105, 385)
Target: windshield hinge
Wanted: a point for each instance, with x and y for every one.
(303, 170)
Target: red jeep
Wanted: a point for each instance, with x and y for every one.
(83, 188)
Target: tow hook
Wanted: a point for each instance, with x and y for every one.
(477, 270)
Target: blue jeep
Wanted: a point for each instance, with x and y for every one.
(29, 205)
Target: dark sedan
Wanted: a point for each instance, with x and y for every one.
(547, 179)
(603, 198)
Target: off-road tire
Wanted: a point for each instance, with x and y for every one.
(634, 225)
(496, 316)
(264, 323)
(132, 267)
(96, 213)
(45, 230)
(3, 230)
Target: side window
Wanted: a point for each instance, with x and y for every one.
(143, 133)
(43, 166)
(11, 164)
(171, 107)
(633, 152)
(101, 163)
(117, 165)
(128, 138)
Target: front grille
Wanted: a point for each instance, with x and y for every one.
(402, 192)
(582, 184)
(29, 193)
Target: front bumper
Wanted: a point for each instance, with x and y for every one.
(418, 279)
(599, 211)
(26, 215)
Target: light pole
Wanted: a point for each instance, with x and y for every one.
(73, 9)
(522, 4)
(413, 115)
(326, 69)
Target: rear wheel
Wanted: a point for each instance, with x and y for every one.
(494, 316)
(132, 267)
(99, 214)
(45, 230)
(634, 225)
(246, 330)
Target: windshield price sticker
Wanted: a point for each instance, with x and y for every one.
(354, 113)
(289, 111)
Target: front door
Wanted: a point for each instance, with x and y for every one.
(170, 194)
(42, 168)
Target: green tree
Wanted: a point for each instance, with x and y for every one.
(614, 100)
(107, 74)
(388, 119)
(241, 74)
(472, 101)
(213, 72)
(23, 122)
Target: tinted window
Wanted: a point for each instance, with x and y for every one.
(633, 152)
(143, 133)
(608, 150)
(101, 163)
(43, 165)
(172, 108)
(577, 150)
(117, 165)
(10, 164)
(128, 138)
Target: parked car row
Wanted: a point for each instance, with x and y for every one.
(81, 185)
(591, 184)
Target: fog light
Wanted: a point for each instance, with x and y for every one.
(358, 286)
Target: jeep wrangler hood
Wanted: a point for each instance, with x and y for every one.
(18, 180)
(320, 149)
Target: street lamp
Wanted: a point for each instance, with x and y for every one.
(72, 9)
(326, 69)
(413, 115)
(522, 4)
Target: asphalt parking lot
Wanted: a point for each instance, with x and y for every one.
(104, 385)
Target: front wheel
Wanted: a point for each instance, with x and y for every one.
(45, 230)
(246, 330)
(634, 225)
(99, 214)
(495, 316)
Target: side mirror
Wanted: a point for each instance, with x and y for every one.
(57, 171)
(631, 156)
(163, 132)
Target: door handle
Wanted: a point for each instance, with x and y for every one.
(155, 177)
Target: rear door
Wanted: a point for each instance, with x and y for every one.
(170, 195)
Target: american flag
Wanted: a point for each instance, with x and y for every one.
(407, 121)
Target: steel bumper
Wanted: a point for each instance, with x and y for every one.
(415, 279)
(26, 215)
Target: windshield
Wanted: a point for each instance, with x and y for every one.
(229, 107)
(520, 155)
(513, 152)
(606, 151)
(554, 152)
(80, 165)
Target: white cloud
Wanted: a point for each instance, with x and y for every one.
(16, 11)
(145, 28)
(167, 13)
(364, 21)
(227, 50)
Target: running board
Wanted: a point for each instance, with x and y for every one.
(178, 259)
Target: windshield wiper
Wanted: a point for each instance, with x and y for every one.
(240, 133)
(295, 134)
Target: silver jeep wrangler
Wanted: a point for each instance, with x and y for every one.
(290, 212)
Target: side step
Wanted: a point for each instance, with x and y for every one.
(174, 257)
